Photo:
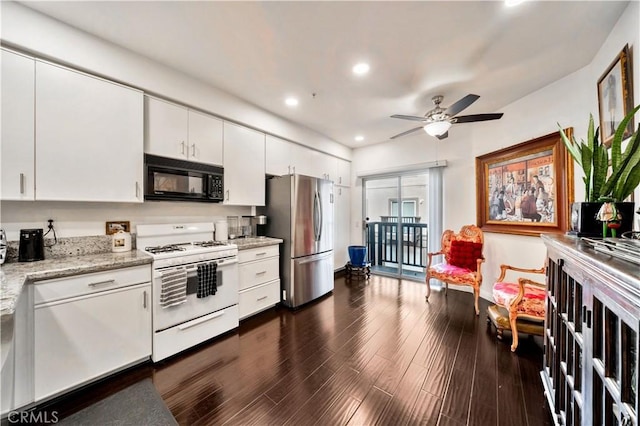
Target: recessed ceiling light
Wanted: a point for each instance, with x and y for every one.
(360, 68)
(291, 102)
(359, 138)
(511, 3)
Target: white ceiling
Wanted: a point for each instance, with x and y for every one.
(263, 52)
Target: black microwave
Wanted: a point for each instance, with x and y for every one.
(179, 180)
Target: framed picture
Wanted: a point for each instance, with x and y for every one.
(615, 96)
(525, 189)
(113, 227)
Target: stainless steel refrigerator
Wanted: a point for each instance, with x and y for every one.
(300, 211)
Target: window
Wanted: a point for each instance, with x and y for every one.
(409, 207)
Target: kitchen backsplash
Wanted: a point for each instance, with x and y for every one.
(70, 246)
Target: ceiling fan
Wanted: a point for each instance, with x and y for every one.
(437, 121)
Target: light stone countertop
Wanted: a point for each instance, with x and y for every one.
(255, 242)
(14, 275)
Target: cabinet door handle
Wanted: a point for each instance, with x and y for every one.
(193, 150)
(262, 298)
(22, 183)
(340, 179)
(261, 273)
(101, 283)
(584, 313)
(182, 145)
(137, 189)
(144, 299)
(227, 195)
(588, 319)
(262, 253)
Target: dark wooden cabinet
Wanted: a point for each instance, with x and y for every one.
(592, 330)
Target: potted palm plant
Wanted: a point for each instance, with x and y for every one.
(608, 178)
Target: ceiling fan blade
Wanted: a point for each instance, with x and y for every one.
(461, 104)
(443, 136)
(477, 117)
(409, 117)
(406, 133)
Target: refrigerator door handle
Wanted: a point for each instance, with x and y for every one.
(321, 216)
(317, 220)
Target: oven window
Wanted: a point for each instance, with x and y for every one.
(168, 182)
(192, 281)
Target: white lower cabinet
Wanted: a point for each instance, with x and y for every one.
(84, 337)
(259, 279)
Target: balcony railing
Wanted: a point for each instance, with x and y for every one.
(382, 248)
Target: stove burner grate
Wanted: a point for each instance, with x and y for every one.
(164, 249)
(209, 243)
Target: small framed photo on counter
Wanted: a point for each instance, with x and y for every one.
(113, 227)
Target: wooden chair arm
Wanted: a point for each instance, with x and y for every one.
(430, 257)
(521, 283)
(504, 268)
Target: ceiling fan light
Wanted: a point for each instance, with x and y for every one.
(437, 128)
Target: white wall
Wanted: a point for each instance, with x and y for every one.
(568, 101)
(74, 219)
(35, 33)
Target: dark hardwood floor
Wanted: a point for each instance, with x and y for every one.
(373, 352)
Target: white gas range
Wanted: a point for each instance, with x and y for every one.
(179, 251)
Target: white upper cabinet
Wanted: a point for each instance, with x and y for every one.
(285, 157)
(343, 177)
(300, 160)
(166, 129)
(330, 167)
(318, 164)
(278, 156)
(205, 138)
(89, 137)
(244, 166)
(176, 131)
(17, 143)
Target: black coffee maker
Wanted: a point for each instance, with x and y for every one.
(31, 245)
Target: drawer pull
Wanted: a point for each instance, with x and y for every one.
(261, 253)
(261, 272)
(262, 298)
(201, 320)
(102, 283)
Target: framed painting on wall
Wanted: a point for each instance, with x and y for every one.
(525, 189)
(615, 96)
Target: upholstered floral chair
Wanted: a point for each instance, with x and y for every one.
(462, 260)
(519, 304)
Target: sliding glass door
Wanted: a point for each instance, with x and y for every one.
(397, 213)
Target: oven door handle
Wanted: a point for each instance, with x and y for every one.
(201, 320)
(192, 267)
